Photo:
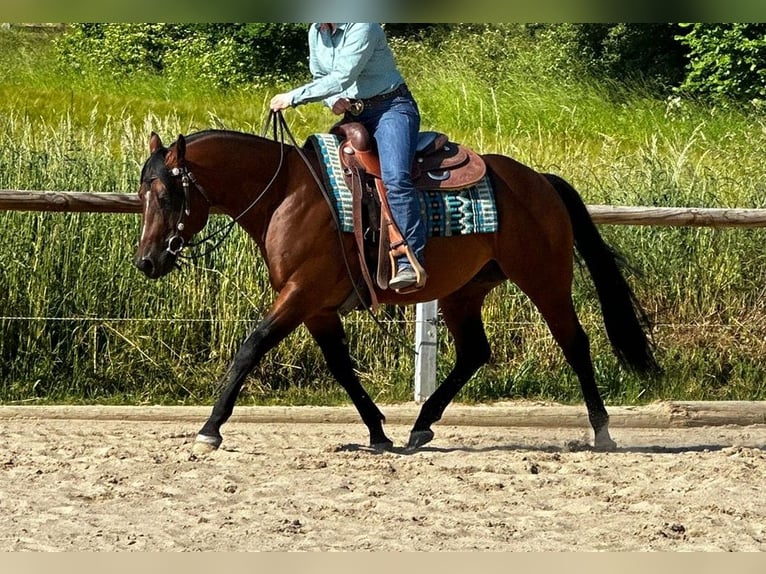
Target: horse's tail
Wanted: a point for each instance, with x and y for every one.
(625, 320)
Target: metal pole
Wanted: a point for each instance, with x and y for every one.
(425, 347)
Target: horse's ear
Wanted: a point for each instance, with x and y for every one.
(155, 143)
(181, 147)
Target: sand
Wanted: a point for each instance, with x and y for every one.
(73, 483)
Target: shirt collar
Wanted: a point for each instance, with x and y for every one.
(337, 26)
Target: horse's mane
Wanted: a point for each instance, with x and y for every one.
(222, 133)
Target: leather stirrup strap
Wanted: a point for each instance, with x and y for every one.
(397, 246)
(384, 273)
(356, 209)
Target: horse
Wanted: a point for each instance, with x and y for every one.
(270, 189)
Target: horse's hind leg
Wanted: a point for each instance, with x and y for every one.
(329, 334)
(462, 315)
(558, 311)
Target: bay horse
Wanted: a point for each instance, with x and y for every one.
(268, 188)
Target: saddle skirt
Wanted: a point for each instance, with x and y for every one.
(446, 211)
(442, 164)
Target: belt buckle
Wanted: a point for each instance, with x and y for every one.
(356, 107)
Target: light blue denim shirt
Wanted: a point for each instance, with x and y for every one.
(354, 62)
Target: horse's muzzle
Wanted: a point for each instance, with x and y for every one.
(145, 265)
(154, 269)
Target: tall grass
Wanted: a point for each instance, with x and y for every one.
(80, 324)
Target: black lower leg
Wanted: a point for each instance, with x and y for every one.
(578, 357)
(472, 352)
(251, 351)
(330, 337)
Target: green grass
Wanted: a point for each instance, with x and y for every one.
(79, 324)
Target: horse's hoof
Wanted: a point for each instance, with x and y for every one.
(382, 445)
(604, 443)
(204, 445)
(419, 438)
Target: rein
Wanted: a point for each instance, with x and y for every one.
(176, 243)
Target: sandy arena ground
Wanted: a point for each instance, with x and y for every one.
(96, 483)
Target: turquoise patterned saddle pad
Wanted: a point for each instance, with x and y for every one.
(445, 213)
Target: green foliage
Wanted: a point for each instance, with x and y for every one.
(80, 324)
(648, 55)
(631, 53)
(117, 49)
(726, 61)
(718, 60)
(220, 55)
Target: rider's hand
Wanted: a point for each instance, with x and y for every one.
(280, 102)
(341, 106)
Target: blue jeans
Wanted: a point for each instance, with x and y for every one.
(395, 125)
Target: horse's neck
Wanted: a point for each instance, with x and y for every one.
(247, 178)
(239, 172)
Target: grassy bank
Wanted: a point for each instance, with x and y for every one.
(79, 324)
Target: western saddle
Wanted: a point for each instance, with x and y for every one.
(439, 165)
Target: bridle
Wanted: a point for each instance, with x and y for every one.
(176, 242)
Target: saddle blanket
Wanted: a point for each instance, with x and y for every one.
(445, 213)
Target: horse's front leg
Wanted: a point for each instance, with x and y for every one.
(327, 330)
(281, 320)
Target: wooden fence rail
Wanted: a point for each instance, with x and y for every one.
(86, 202)
(426, 336)
(69, 201)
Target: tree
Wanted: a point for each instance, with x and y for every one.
(726, 61)
(223, 54)
(627, 53)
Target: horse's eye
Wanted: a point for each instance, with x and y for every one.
(146, 185)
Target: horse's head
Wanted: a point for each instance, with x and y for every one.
(174, 209)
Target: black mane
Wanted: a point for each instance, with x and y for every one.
(192, 137)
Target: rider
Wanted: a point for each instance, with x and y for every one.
(353, 62)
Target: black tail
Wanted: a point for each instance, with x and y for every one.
(626, 322)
